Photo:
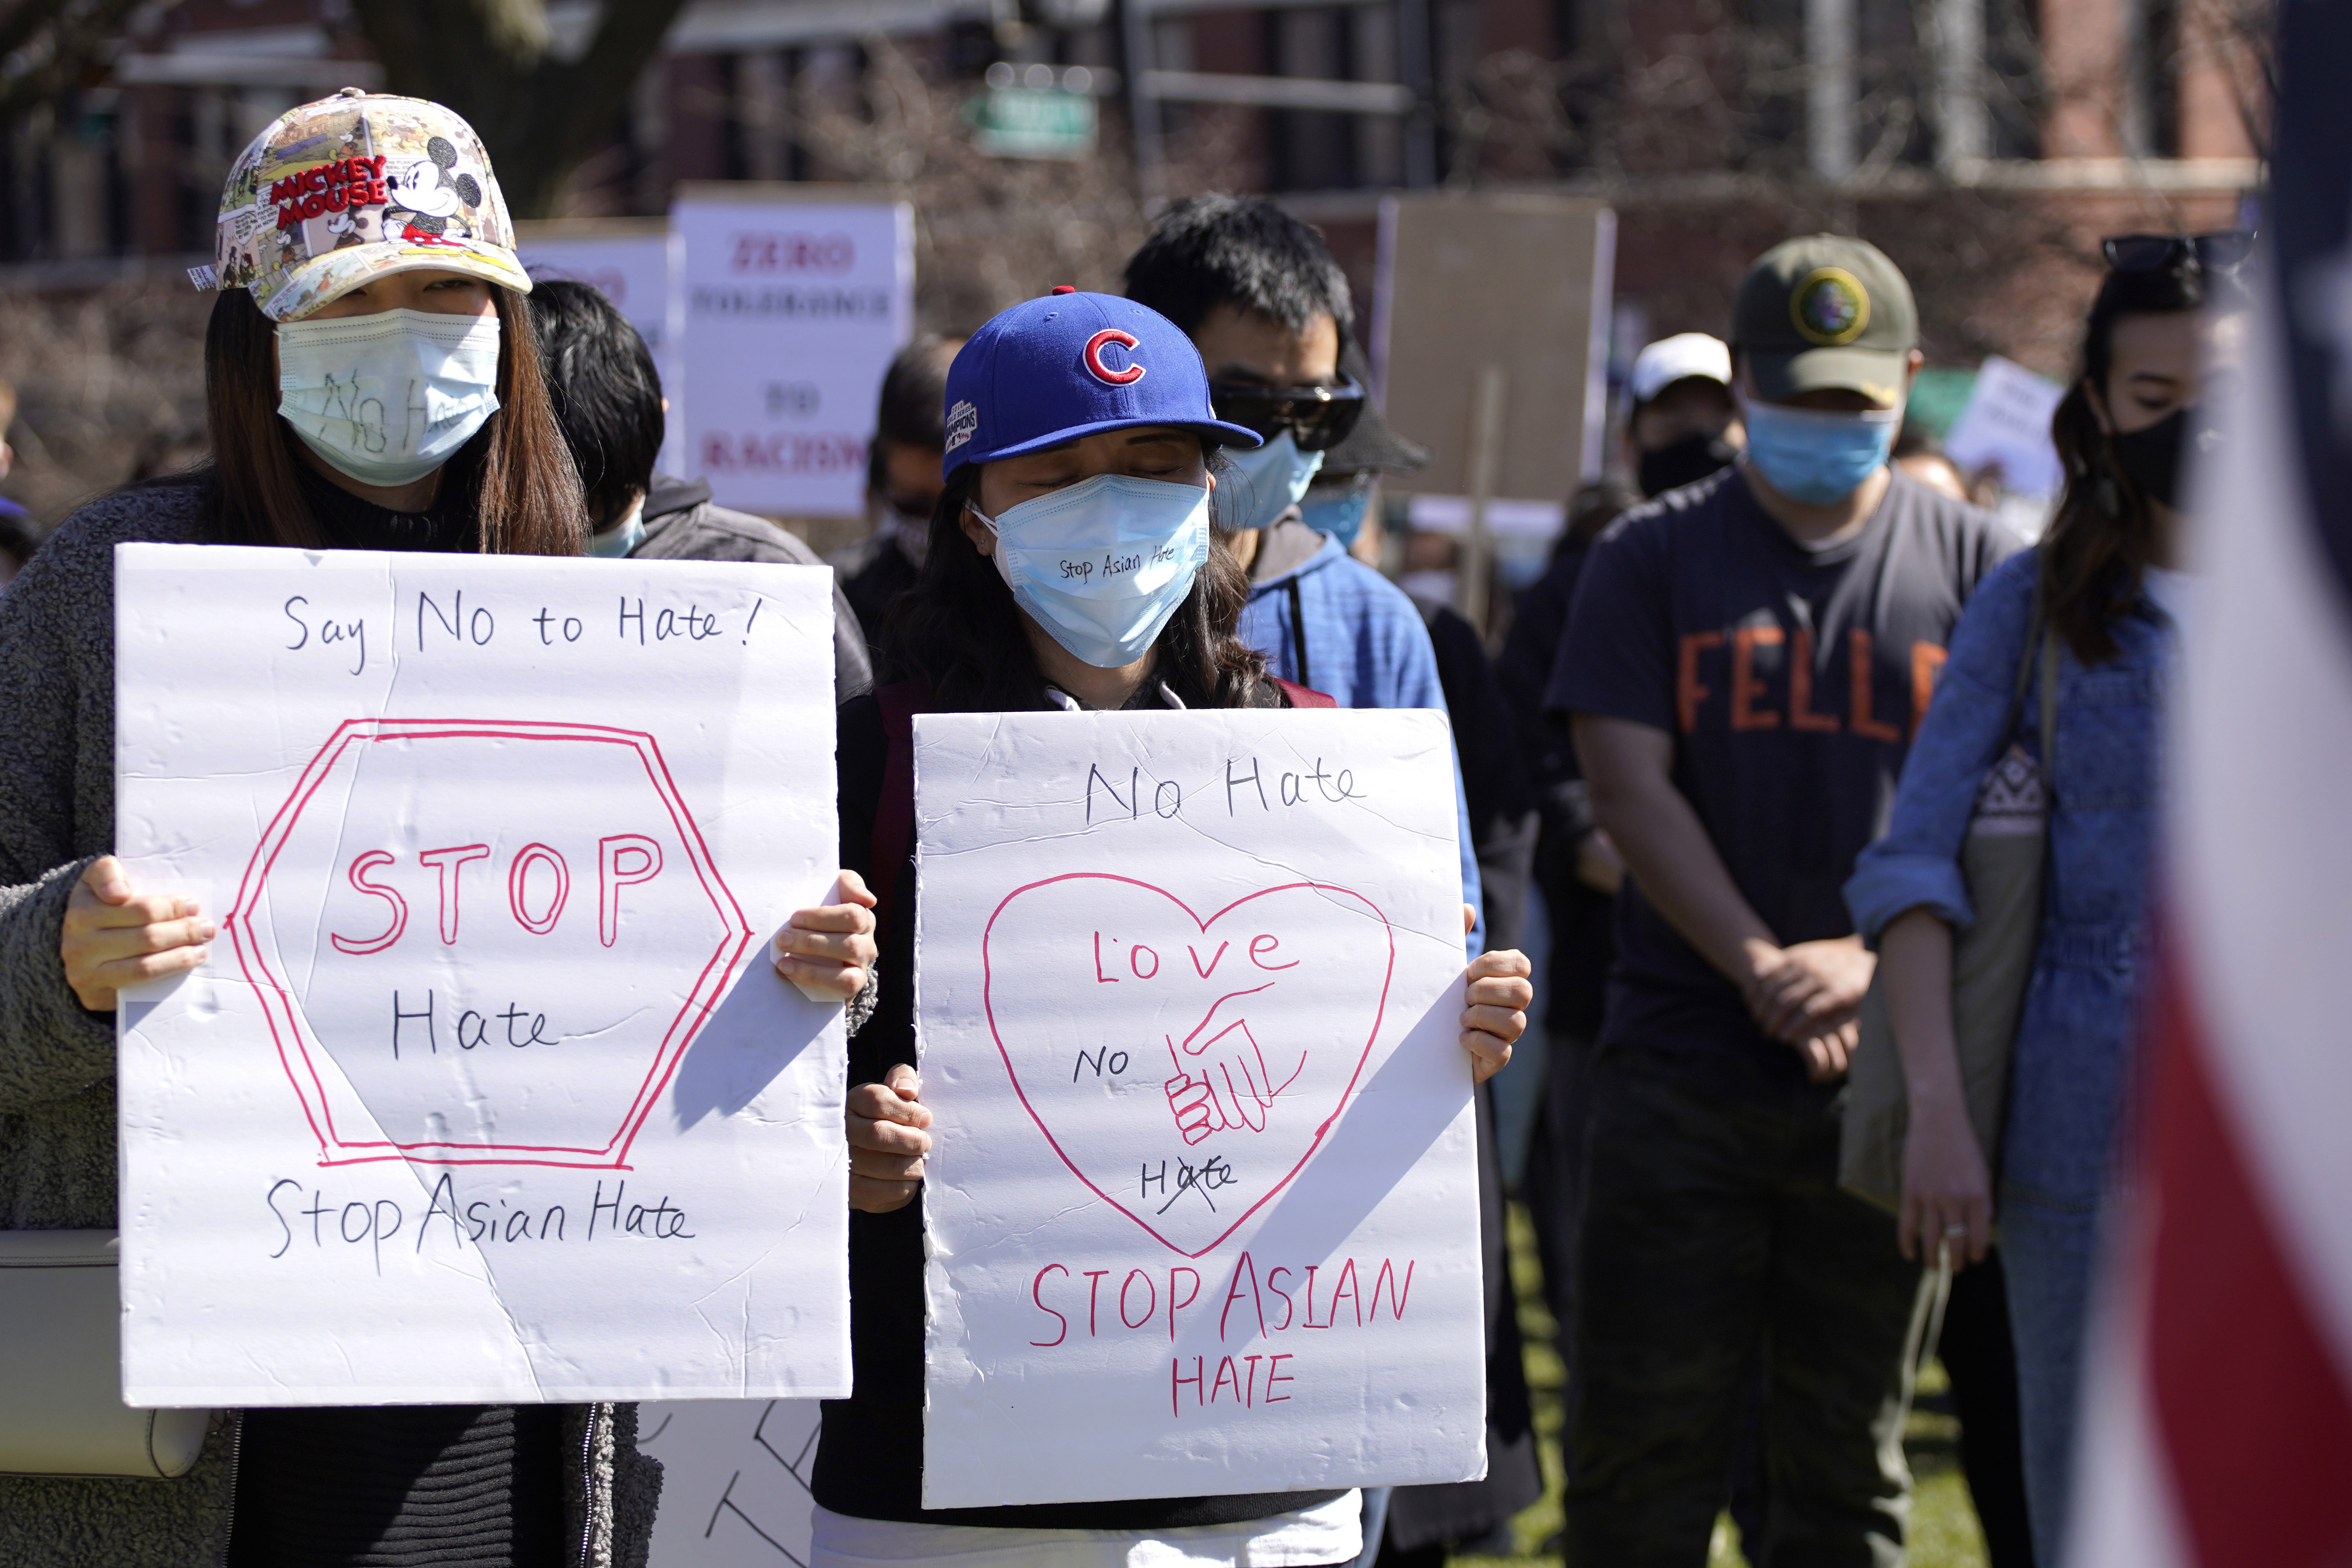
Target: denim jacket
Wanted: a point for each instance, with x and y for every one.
(2072, 1068)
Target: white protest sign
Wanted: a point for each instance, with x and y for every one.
(627, 260)
(735, 1480)
(2007, 422)
(788, 312)
(488, 1091)
(1204, 1205)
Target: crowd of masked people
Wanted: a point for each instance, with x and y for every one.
(1729, 751)
(1723, 773)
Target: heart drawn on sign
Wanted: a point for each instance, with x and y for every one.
(1185, 1067)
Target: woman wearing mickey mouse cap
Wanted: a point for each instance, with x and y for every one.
(1079, 427)
(371, 383)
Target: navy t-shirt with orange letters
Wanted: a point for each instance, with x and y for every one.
(1792, 678)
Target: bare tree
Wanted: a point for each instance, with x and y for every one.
(495, 62)
(103, 377)
(2240, 39)
(48, 46)
(1699, 137)
(1725, 98)
(991, 232)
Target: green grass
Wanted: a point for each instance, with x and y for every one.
(1944, 1532)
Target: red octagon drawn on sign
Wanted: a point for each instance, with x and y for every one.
(294, 1035)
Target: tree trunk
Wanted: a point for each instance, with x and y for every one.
(53, 43)
(490, 61)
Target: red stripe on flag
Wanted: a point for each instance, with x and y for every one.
(2252, 1408)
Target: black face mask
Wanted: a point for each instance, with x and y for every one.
(2151, 457)
(1683, 462)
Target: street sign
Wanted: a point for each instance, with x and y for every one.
(1033, 122)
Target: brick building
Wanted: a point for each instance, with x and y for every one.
(1985, 143)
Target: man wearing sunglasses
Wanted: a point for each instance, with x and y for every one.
(1268, 308)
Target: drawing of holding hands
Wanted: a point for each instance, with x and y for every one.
(1234, 1086)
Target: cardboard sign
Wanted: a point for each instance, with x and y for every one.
(488, 1092)
(2007, 424)
(1518, 281)
(735, 1480)
(1203, 1205)
(629, 261)
(788, 312)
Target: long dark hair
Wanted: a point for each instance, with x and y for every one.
(515, 476)
(959, 629)
(2104, 534)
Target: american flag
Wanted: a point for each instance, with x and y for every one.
(2220, 1421)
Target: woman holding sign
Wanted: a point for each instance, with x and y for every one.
(371, 383)
(1078, 427)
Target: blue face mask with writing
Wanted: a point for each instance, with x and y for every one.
(1338, 509)
(1103, 565)
(1266, 482)
(1815, 457)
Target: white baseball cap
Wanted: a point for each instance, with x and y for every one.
(1679, 358)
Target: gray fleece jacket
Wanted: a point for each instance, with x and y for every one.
(57, 1060)
(682, 523)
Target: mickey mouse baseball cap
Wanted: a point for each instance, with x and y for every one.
(1071, 365)
(353, 187)
(1827, 311)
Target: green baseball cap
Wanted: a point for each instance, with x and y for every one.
(1826, 311)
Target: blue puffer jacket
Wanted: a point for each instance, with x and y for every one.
(2073, 1065)
(1334, 624)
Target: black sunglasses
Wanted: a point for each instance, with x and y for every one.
(2215, 252)
(1318, 417)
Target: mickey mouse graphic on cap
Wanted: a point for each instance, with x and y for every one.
(353, 187)
(430, 191)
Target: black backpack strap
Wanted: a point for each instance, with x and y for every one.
(1298, 634)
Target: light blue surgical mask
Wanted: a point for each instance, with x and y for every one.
(1813, 456)
(1339, 510)
(1102, 564)
(1268, 481)
(390, 397)
(614, 543)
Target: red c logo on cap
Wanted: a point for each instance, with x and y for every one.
(1103, 373)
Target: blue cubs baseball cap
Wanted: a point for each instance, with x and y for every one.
(1070, 365)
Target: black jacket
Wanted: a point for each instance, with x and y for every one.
(1584, 945)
